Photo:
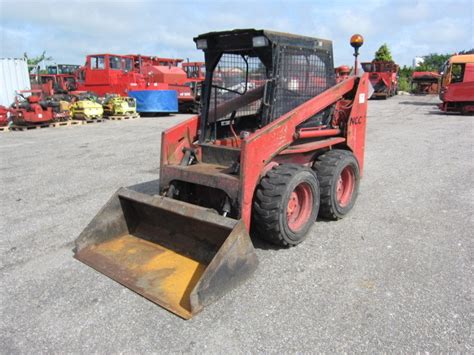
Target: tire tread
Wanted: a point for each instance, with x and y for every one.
(268, 200)
(325, 167)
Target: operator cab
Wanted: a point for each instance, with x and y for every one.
(255, 76)
(102, 62)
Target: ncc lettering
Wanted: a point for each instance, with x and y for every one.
(356, 120)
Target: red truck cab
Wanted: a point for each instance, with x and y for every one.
(457, 85)
(109, 74)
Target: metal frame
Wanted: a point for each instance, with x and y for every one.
(272, 56)
(273, 144)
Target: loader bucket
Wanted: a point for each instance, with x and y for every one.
(180, 256)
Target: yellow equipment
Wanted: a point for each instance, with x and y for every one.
(86, 110)
(64, 106)
(120, 106)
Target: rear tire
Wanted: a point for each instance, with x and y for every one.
(339, 175)
(286, 204)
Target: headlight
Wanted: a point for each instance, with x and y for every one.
(201, 44)
(260, 41)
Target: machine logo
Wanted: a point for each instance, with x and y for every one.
(356, 120)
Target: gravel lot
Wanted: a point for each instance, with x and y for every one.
(395, 275)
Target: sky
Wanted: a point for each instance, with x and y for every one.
(69, 29)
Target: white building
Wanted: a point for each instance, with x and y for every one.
(13, 77)
(417, 61)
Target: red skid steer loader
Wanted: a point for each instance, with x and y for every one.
(277, 143)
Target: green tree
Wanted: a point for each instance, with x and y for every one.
(35, 61)
(405, 78)
(406, 71)
(383, 54)
(433, 62)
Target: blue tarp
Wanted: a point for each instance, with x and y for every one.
(155, 100)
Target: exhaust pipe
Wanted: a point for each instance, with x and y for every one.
(178, 255)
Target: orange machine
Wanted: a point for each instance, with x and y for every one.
(457, 84)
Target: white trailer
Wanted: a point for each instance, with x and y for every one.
(14, 76)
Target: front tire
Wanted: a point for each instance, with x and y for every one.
(339, 176)
(286, 204)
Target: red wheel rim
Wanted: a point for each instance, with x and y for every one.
(300, 205)
(345, 186)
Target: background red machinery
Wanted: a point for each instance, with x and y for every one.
(425, 82)
(457, 85)
(30, 108)
(196, 73)
(4, 116)
(51, 84)
(118, 74)
(342, 72)
(62, 68)
(165, 71)
(56, 79)
(383, 77)
(109, 73)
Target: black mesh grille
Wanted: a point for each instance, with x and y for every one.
(233, 76)
(299, 76)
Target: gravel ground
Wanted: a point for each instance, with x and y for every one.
(394, 276)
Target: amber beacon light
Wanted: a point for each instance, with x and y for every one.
(356, 41)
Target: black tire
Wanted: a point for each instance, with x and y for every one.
(329, 167)
(270, 207)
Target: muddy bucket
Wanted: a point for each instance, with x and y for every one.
(180, 256)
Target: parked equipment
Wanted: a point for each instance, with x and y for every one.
(383, 76)
(31, 108)
(457, 85)
(425, 82)
(4, 114)
(166, 73)
(195, 72)
(158, 84)
(86, 109)
(52, 84)
(342, 73)
(120, 106)
(264, 156)
(58, 69)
